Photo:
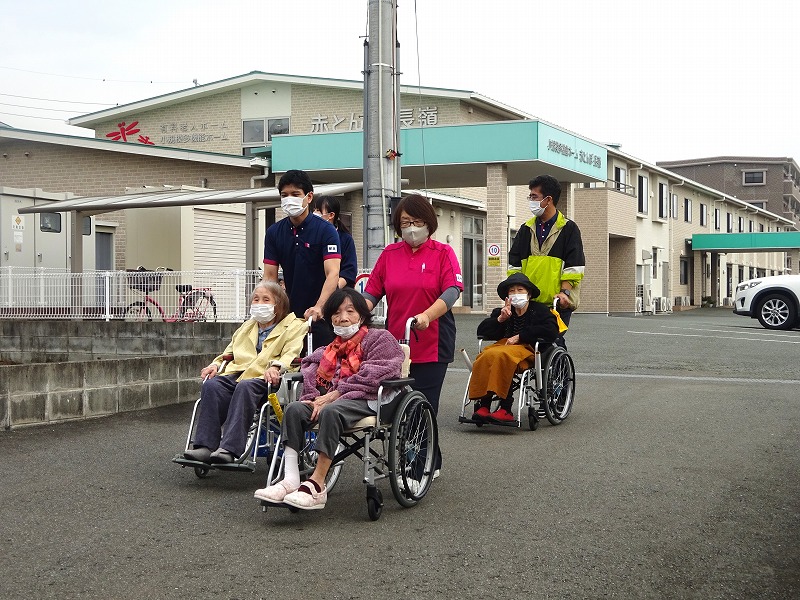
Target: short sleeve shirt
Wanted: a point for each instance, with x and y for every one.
(411, 282)
(301, 252)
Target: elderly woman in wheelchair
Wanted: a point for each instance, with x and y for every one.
(517, 326)
(253, 362)
(340, 387)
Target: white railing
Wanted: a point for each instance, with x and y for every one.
(159, 295)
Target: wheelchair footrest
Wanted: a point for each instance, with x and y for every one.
(246, 465)
(514, 423)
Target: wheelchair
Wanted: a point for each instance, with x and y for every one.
(546, 390)
(398, 443)
(262, 435)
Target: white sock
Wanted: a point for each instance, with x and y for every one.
(291, 470)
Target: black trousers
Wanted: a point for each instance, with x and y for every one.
(428, 379)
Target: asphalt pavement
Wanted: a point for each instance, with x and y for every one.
(676, 476)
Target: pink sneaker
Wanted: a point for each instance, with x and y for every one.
(274, 493)
(307, 497)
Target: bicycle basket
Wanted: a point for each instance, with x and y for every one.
(145, 281)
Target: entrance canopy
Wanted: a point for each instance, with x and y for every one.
(160, 198)
(778, 241)
(253, 199)
(451, 156)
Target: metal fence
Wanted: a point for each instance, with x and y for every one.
(158, 295)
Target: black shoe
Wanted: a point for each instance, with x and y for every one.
(201, 454)
(221, 456)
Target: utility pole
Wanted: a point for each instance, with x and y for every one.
(381, 126)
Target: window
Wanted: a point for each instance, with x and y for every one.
(644, 200)
(754, 177)
(703, 215)
(752, 273)
(662, 201)
(761, 228)
(741, 274)
(717, 219)
(620, 177)
(684, 270)
(729, 222)
(687, 210)
(750, 229)
(50, 222)
(741, 224)
(87, 225)
(257, 132)
(674, 208)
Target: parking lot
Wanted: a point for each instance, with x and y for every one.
(676, 476)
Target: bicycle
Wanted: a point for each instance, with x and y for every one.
(193, 303)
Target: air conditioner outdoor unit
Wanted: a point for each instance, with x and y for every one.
(679, 301)
(638, 304)
(727, 302)
(687, 301)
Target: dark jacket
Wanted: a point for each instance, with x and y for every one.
(539, 324)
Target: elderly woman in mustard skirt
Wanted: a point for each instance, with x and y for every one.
(518, 325)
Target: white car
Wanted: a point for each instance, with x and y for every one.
(774, 301)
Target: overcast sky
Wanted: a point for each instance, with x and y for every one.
(666, 80)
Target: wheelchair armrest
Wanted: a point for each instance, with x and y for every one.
(401, 381)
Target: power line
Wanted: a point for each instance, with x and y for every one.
(38, 108)
(103, 79)
(31, 116)
(54, 100)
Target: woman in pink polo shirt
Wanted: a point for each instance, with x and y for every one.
(420, 278)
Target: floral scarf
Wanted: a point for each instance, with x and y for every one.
(349, 352)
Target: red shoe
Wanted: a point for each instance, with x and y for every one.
(501, 415)
(481, 414)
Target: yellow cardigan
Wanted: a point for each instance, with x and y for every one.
(283, 344)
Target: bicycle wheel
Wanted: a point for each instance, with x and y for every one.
(198, 306)
(137, 311)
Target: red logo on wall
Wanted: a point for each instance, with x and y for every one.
(125, 130)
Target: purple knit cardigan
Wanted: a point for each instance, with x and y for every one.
(382, 359)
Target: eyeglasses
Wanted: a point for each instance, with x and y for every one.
(415, 223)
(533, 198)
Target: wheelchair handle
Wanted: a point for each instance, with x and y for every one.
(555, 303)
(308, 336)
(409, 326)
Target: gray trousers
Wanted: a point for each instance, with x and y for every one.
(333, 419)
(228, 406)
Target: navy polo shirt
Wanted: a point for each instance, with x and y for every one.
(301, 252)
(348, 270)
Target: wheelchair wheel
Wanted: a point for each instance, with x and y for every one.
(201, 472)
(412, 449)
(533, 419)
(559, 385)
(374, 503)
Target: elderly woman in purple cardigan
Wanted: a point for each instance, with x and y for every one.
(340, 387)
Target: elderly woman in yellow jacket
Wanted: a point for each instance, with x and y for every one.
(259, 352)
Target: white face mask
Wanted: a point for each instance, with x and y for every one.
(518, 300)
(263, 313)
(292, 205)
(415, 236)
(346, 332)
(536, 208)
